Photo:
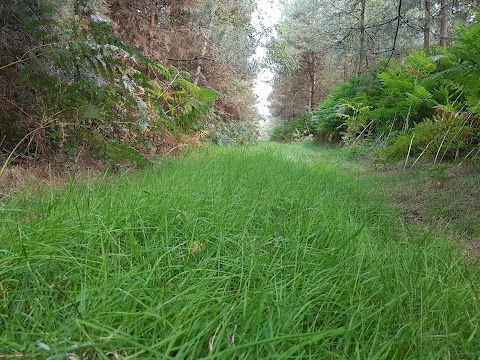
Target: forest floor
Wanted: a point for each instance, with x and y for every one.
(271, 251)
(442, 198)
(447, 203)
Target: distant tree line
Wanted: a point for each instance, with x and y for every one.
(320, 43)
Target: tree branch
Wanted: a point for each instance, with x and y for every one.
(394, 45)
(196, 58)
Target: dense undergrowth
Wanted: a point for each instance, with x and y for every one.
(262, 252)
(70, 86)
(426, 106)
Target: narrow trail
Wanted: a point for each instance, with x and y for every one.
(264, 252)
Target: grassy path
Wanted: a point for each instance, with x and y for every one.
(274, 252)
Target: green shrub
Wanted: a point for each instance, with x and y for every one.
(234, 133)
(328, 121)
(85, 88)
(430, 97)
(347, 107)
(439, 138)
(294, 129)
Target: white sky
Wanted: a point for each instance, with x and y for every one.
(267, 15)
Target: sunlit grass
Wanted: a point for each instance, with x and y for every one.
(265, 252)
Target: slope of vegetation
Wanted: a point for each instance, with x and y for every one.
(263, 252)
(71, 85)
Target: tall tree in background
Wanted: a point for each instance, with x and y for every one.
(362, 51)
(297, 53)
(444, 14)
(427, 23)
(350, 37)
(211, 39)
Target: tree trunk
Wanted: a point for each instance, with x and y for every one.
(311, 74)
(427, 25)
(153, 13)
(198, 71)
(206, 40)
(444, 23)
(362, 58)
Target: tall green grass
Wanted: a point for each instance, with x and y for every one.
(273, 252)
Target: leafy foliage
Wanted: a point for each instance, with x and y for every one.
(78, 86)
(438, 138)
(427, 105)
(294, 130)
(347, 107)
(234, 133)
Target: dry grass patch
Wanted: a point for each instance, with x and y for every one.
(445, 199)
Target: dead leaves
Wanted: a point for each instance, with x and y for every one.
(196, 247)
